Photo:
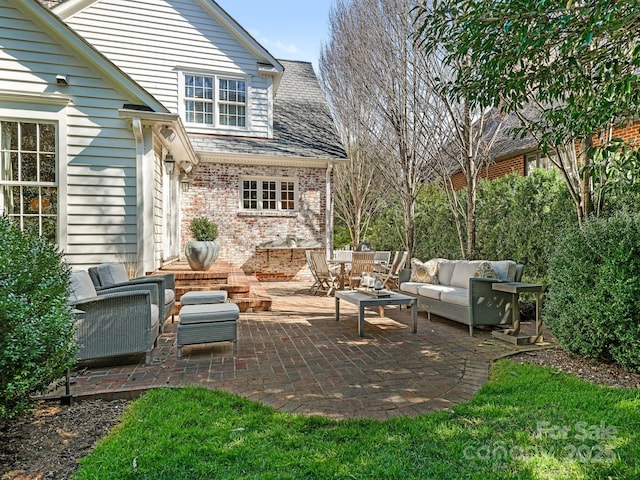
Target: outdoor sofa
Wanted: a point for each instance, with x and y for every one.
(113, 322)
(460, 290)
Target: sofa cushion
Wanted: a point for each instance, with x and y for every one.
(112, 273)
(445, 271)
(433, 291)
(80, 286)
(486, 270)
(463, 271)
(457, 296)
(424, 272)
(411, 287)
(506, 269)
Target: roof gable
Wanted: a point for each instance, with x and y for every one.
(52, 25)
(66, 9)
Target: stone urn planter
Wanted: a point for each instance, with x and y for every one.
(204, 249)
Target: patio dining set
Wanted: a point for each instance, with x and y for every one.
(354, 269)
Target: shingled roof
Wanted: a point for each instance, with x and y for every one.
(505, 145)
(302, 124)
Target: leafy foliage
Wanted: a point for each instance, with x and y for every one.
(593, 307)
(203, 229)
(519, 218)
(37, 335)
(580, 57)
(568, 70)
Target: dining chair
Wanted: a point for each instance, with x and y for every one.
(327, 280)
(361, 262)
(312, 269)
(391, 279)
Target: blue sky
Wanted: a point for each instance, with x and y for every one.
(288, 29)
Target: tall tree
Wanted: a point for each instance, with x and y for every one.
(358, 192)
(372, 49)
(574, 64)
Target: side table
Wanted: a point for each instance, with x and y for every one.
(513, 335)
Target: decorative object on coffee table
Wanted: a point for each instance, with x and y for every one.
(204, 249)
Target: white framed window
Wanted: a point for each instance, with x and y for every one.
(537, 159)
(268, 194)
(28, 175)
(215, 101)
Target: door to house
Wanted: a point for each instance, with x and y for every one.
(171, 217)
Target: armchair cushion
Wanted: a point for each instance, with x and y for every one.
(107, 275)
(111, 273)
(80, 287)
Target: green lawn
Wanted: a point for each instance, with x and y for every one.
(527, 422)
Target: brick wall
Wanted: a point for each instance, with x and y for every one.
(494, 170)
(629, 133)
(215, 192)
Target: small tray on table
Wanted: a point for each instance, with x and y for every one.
(375, 293)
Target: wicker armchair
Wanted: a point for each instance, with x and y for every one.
(114, 274)
(114, 321)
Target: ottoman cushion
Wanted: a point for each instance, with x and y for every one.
(198, 298)
(208, 313)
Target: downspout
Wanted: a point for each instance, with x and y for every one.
(329, 213)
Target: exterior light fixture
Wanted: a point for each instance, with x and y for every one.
(185, 181)
(168, 133)
(62, 80)
(169, 164)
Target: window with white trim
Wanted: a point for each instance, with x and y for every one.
(215, 101)
(537, 159)
(268, 194)
(28, 178)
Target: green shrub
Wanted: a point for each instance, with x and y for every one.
(203, 229)
(37, 337)
(519, 218)
(436, 234)
(592, 306)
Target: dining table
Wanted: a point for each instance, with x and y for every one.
(343, 270)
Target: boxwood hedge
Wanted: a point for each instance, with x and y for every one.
(36, 337)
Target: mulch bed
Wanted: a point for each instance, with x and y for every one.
(48, 443)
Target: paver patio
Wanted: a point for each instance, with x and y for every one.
(297, 358)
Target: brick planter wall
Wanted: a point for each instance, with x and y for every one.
(215, 192)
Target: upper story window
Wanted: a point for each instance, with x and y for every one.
(215, 101)
(268, 194)
(28, 179)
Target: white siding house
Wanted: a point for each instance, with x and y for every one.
(128, 84)
(71, 152)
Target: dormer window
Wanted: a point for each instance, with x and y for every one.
(214, 101)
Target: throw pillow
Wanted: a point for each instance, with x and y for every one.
(486, 270)
(424, 272)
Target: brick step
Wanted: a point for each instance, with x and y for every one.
(182, 289)
(256, 301)
(245, 291)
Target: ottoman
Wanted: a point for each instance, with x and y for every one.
(200, 297)
(206, 323)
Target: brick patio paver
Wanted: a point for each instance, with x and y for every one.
(297, 358)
